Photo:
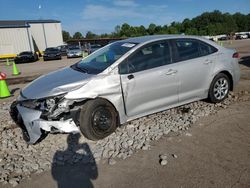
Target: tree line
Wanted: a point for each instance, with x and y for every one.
(208, 23)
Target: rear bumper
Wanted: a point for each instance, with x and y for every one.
(34, 128)
(236, 72)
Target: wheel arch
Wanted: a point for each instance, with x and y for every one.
(229, 75)
(117, 112)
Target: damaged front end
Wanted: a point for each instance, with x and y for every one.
(37, 117)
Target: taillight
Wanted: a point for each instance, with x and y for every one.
(236, 55)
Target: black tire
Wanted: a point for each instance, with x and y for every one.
(214, 96)
(98, 119)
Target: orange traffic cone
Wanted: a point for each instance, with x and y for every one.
(4, 90)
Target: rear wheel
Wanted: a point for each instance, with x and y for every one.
(219, 88)
(98, 119)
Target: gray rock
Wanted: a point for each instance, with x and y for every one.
(14, 182)
(145, 147)
(111, 162)
(163, 162)
(130, 142)
(163, 156)
(174, 156)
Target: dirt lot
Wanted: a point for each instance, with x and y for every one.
(215, 152)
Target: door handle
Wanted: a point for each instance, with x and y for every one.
(171, 72)
(131, 76)
(208, 61)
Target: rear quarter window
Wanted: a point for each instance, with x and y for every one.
(206, 49)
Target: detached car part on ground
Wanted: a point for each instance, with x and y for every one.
(123, 81)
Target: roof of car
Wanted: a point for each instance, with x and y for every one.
(156, 37)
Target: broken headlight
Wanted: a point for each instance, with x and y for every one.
(62, 106)
(45, 104)
(49, 104)
(33, 104)
(51, 107)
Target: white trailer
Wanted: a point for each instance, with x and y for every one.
(28, 35)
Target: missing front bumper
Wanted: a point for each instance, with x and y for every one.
(34, 128)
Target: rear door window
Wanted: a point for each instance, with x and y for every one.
(186, 49)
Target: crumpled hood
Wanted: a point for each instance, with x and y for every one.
(55, 83)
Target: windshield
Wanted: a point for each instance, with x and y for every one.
(51, 50)
(25, 53)
(74, 48)
(103, 58)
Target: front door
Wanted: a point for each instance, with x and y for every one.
(148, 80)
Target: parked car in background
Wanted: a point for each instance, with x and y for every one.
(241, 36)
(94, 47)
(223, 38)
(63, 49)
(74, 52)
(123, 81)
(26, 57)
(51, 53)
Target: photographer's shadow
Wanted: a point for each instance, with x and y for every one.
(75, 167)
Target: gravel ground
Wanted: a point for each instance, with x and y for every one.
(19, 160)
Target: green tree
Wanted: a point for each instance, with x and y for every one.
(208, 23)
(242, 21)
(77, 35)
(117, 30)
(105, 35)
(151, 29)
(90, 35)
(172, 30)
(125, 30)
(142, 30)
(66, 36)
(186, 25)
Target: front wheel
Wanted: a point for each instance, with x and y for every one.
(219, 88)
(98, 119)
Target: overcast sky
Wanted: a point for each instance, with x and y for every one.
(102, 16)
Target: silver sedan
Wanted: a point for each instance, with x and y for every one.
(74, 52)
(123, 81)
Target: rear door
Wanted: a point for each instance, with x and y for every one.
(195, 60)
(148, 79)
